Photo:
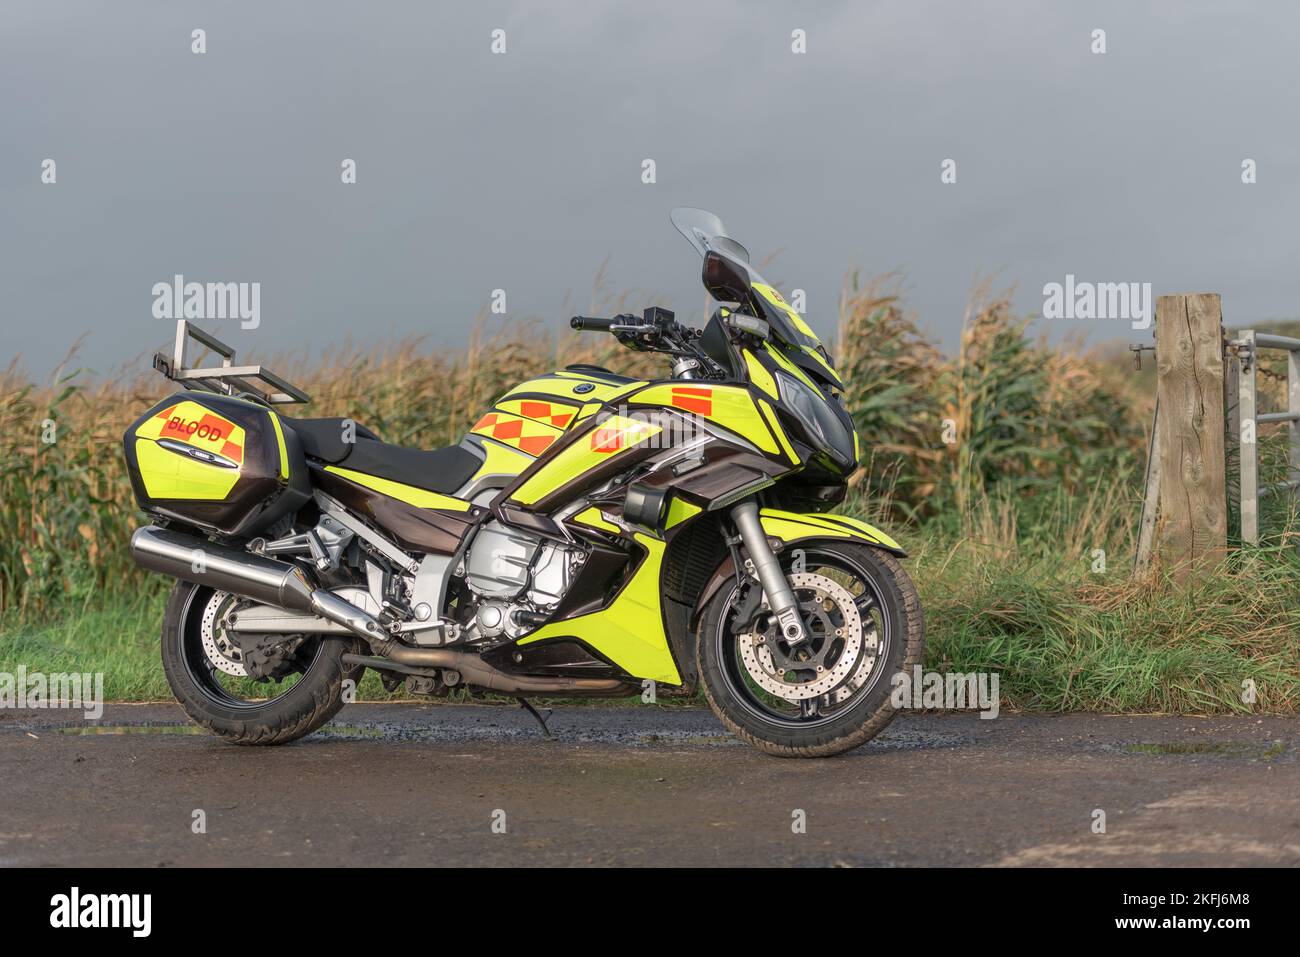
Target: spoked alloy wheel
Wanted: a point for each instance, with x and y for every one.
(810, 681)
(829, 692)
(216, 665)
(207, 674)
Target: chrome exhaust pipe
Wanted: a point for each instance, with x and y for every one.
(478, 672)
(188, 557)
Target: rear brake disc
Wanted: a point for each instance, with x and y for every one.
(222, 651)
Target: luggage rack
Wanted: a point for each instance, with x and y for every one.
(255, 382)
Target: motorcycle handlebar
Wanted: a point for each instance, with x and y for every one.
(593, 322)
(658, 331)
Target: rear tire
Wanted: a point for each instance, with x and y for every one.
(868, 709)
(316, 696)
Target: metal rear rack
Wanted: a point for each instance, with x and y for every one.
(256, 382)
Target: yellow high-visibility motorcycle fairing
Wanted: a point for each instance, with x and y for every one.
(591, 534)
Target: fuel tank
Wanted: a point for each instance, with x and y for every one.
(526, 421)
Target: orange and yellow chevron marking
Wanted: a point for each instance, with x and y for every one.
(557, 414)
(194, 425)
(697, 399)
(524, 434)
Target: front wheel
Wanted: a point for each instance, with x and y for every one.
(831, 692)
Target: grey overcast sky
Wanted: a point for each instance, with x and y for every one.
(522, 171)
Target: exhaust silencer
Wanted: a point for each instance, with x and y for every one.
(242, 573)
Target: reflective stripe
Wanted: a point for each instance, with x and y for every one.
(835, 376)
(759, 376)
(770, 415)
(731, 407)
(279, 439)
(792, 526)
(525, 434)
(790, 367)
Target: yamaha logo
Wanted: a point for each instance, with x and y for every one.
(203, 455)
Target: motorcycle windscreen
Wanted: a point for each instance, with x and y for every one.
(705, 231)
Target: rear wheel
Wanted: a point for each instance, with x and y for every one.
(207, 674)
(831, 692)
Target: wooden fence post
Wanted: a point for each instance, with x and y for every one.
(1189, 363)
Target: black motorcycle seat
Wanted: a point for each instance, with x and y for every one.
(436, 470)
(323, 438)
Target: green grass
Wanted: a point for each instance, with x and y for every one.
(1011, 588)
(118, 635)
(1078, 642)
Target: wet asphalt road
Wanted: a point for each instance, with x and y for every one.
(424, 785)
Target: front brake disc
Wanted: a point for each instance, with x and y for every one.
(824, 659)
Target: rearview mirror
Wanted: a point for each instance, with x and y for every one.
(726, 279)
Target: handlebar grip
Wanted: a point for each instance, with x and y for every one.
(592, 322)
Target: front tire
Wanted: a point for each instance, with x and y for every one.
(754, 682)
(274, 713)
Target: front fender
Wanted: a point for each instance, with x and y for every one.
(791, 527)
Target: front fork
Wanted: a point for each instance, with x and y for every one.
(776, 588)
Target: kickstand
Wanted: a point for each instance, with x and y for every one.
(527, 706)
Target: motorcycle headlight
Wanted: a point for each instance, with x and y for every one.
(817, 417)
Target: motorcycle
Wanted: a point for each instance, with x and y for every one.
(591, 535)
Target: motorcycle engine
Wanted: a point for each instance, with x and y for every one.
(516, 576)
